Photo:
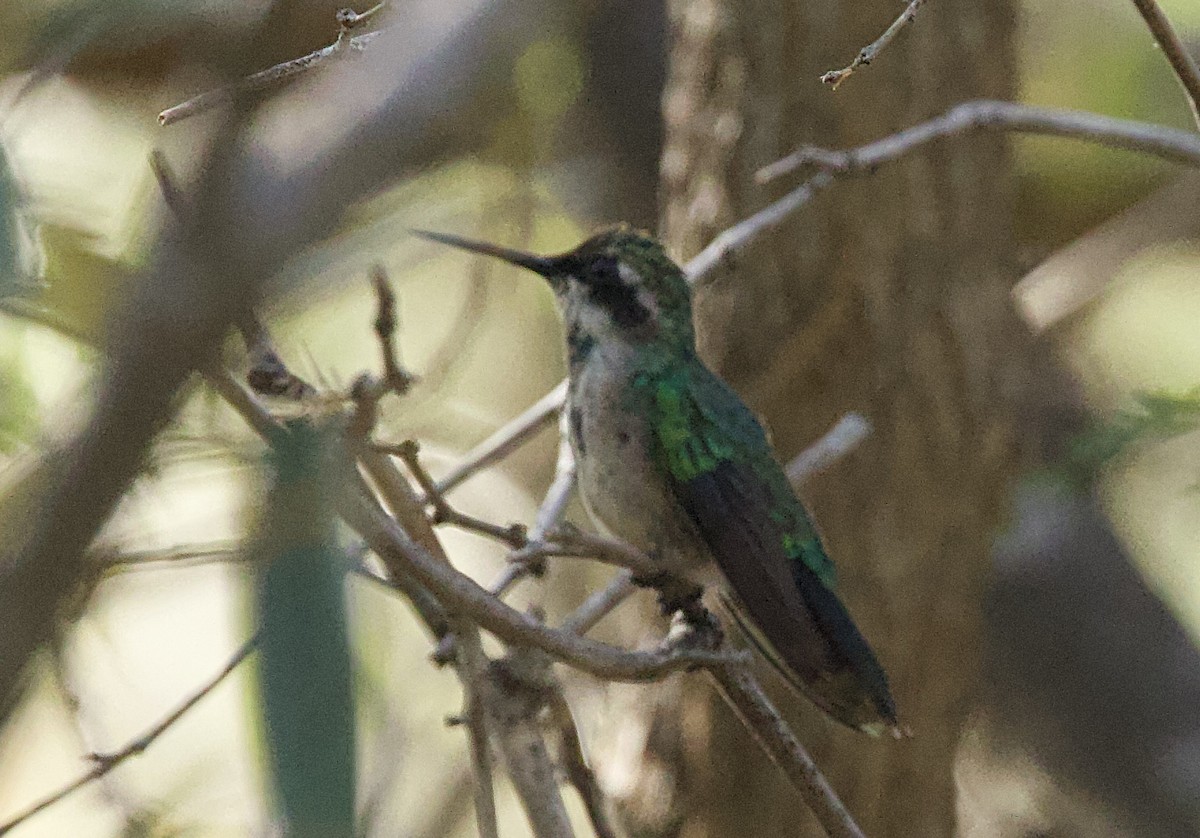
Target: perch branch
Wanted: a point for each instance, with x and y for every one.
(1177, 55)
(104, 763)
(867, 54)
(461, 594)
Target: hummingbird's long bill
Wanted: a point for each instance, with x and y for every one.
(537, 264)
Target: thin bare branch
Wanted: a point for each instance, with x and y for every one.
(570, 751)
(838, 441)
(398, 379)
(472, 670)
(184, 554)
(1181, 62)
(526, 558)
(867, 54)
(1169, 143)
(773, 735)
(508, 438)
(516, 690)
(265, 78)
(463, 595)
(471, 663)
(104, 763)
(443, 513)
(600, 604)
(722, 249)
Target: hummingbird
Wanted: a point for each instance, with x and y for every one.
(671, 460)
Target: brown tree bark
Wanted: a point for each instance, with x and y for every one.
(889, 295)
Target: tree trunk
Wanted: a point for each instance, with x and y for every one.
(888, 295)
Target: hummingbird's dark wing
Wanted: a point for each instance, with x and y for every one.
(724, 475)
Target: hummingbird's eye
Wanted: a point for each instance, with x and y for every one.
(605, 271)
(616, 294)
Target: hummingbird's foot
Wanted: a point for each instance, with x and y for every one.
(659, 580)
(675, 595)
(681, 597)
(697, 628)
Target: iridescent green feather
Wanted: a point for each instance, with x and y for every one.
(699, 423)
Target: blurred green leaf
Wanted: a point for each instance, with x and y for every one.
(17, 273)
(305, 664)
(1157, 415)
(18, 416)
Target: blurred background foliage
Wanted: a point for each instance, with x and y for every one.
(578, 147)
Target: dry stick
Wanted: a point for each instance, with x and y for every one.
(600, 604)
(258, 81)
(776, 739)
(406, 507)
(1181, 62)
(550, 512)
(577, 770)
(867, 54)
(472, 670)
(721, 250)
(461, 594)
(1169, 143)
(443, 513)
(518, 688)
(104, 763)
(507, 439)
(837, 442)
(501, 704)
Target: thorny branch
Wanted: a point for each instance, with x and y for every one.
(867, 54)
(104, 763)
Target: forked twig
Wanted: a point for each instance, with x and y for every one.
(104, 763)
(278, 73)
(986, 114)
(867, 54)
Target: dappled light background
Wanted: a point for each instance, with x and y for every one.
(568, 140)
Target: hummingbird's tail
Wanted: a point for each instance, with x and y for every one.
(853, 689)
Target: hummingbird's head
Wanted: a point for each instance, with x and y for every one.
(618, 285)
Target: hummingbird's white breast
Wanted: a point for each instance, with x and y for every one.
(622, 487)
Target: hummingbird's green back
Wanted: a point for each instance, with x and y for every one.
(725, 476)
